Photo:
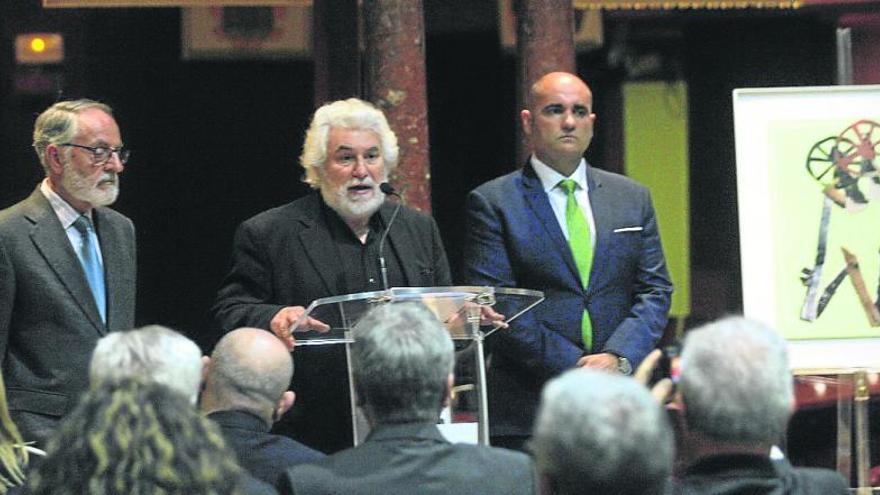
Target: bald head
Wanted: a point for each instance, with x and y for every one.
(556, 81)
(250, 370)
(559, 120)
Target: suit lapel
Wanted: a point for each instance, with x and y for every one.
(602, 216)
(318, 244)
(537, 200)
(116, 262)
(53, 245)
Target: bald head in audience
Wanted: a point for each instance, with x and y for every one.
(249, 370)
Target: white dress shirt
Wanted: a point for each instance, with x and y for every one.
(550, 179)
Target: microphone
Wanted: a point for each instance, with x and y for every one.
(388, 190)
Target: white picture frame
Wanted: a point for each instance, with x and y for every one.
(771, 126)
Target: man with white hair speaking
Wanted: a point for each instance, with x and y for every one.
(326, 244)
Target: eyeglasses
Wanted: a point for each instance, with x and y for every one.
(101, 154)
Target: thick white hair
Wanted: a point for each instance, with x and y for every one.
(352, 113)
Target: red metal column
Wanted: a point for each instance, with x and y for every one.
(544, 43)
(394, 63)
(335, 50)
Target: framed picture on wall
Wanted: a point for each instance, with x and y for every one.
(808, 183)
(246, 32)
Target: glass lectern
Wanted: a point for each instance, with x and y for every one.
(459, 308)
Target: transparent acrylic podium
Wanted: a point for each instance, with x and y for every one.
(459, 310)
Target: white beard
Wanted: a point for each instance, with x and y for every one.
(356, 209)
(82, 189)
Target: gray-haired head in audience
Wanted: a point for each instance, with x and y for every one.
(600, 433)
(153, 353)
(736, 384)
(402, 360)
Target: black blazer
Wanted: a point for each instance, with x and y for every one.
(285, 257)
(49, 323)
(264, 455)
(414, 458)
(746, 474)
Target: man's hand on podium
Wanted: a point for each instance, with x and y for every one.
(284, 320)
(488, 317)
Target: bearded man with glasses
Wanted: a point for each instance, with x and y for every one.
(67, 265)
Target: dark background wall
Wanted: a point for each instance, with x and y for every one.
(216, 142)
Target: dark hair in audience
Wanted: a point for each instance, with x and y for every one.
(130, 437)
(13, 455)
(401, 359)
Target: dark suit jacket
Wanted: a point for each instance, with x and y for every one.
(49, 323)
(514, 240)
(745, 474)
(414, 458)
(286, 257)
(263, 455)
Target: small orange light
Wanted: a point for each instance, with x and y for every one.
(39, 48)
(38, 45)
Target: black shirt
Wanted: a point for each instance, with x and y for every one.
(360, 261)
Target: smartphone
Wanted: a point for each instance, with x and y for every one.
(668, 365)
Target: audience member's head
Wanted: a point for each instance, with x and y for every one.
(402, 361)
(134, 437)
(250, 370)
(153, 353)
(352, 114)
(736, 386)
(13, 455)
(600, 433)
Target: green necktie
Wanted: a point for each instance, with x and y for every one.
(581, 249)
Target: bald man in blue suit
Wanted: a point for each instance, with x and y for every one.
(518, 236)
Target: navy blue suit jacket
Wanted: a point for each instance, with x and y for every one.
(514, 240)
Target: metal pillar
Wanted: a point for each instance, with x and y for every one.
(473, 318)
(544, 43)
(844, 56)
(861, 396)
(394, 62)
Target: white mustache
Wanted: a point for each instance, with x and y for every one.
(361, 182)
(109, 177)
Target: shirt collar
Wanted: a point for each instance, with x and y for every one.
(65, 213)
(550, 177)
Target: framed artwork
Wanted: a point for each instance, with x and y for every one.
(808, 183)
(246, 32)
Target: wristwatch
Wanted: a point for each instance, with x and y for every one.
(623, 366)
